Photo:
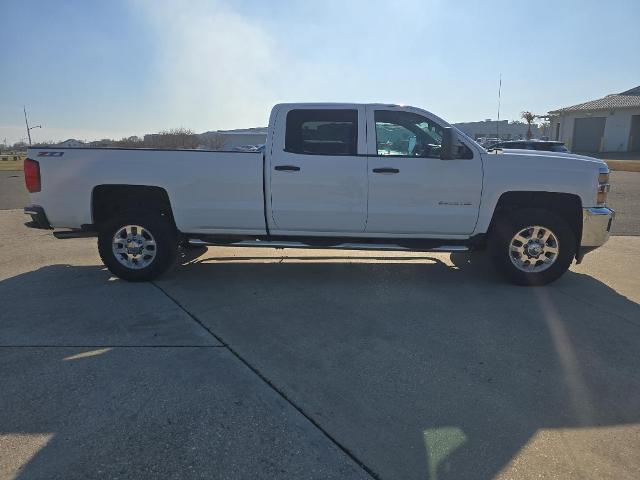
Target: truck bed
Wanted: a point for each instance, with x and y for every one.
(210, 191)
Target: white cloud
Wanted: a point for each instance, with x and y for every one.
(213, 66)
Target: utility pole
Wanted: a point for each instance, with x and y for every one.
(27, 123)
(498, 121)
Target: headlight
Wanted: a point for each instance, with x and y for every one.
(603, 187)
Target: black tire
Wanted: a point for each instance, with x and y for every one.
(166, 246)
(507, 226)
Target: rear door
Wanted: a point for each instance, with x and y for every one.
(318, 170)
(411, 190)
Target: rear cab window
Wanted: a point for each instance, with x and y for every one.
(322, 132)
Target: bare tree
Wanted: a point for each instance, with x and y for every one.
(129, 142)
(103, 143)
(529, 118)
(212, 141)
(44, 143)
(174, 138)
(545, 128)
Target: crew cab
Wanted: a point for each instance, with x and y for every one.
(349, 176)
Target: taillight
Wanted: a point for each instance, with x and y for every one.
(603, 188)
(32, 175)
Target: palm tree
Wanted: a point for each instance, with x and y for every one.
(529, 118)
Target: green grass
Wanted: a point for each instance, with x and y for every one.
(7, 162)
(10, 166)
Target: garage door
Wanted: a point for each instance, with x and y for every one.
(634, 136)
(587, 134)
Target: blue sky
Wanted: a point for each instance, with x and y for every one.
(90, 69)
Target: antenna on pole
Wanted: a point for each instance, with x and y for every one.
(498, 121)
(27, 123)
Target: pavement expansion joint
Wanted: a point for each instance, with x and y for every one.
(276, 389)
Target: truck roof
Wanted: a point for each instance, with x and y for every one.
(336, 104)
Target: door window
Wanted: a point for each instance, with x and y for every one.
(408, 134)
(322, 132)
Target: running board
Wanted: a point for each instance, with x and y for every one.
(63, 234)
(339, 246)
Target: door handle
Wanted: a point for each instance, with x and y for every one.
(286, 168)
(386, 170)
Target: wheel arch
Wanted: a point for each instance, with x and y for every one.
(111, 200)
(567, 205)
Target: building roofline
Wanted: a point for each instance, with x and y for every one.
(592, 109)
(627, 99)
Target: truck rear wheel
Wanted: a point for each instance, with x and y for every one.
(138, 248)
(532, 247)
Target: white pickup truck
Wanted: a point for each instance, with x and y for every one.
(347, 176)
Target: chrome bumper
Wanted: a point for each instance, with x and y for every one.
(596, 226)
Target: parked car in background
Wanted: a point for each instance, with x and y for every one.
(484, 141)
(542, 145)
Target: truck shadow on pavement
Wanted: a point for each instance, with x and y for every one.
(417, 368)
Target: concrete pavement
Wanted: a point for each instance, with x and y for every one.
(426, 368)
(13, 193)
(106, 379)
(160, 412)
(260, 363)
(624, 198)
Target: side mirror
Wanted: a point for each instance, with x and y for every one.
(449, 141)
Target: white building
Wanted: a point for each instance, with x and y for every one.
(71, 143)
(493, 128)
(241, 138)
(608, 124)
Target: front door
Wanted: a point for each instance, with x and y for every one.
(318, 180)
(411, 190)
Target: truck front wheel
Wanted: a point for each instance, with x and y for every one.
(532, 247)
(138, 248)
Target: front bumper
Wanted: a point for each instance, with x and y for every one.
(596, 226)
(38, 217)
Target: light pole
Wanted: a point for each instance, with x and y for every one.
(27, 123)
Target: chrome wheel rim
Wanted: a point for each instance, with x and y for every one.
(534, 249)
(134, 247)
